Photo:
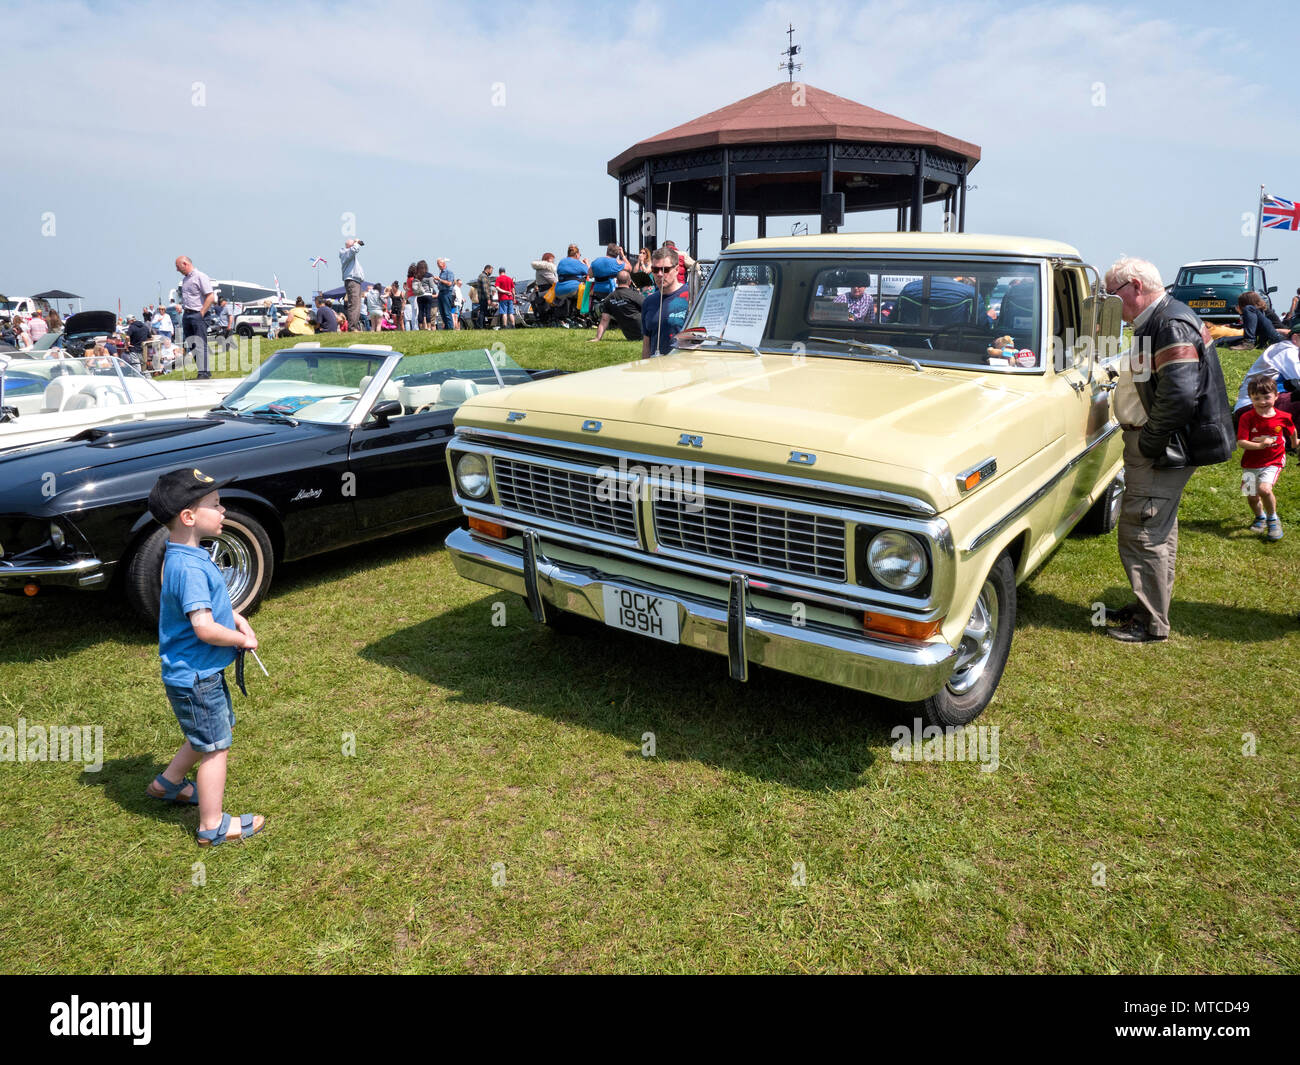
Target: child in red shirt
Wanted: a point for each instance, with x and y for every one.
(1264, 434)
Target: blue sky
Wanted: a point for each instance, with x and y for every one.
(241, 134)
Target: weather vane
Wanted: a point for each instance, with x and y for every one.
(790, 66)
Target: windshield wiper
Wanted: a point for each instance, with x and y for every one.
(734, 344)
(277, 415)
(224, 409)
(883, 350)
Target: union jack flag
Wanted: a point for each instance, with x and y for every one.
(1280, 213)
(318, 261)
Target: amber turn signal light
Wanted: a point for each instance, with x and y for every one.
(972, 479)
(889, 625)
(31, 588)
(488, 528)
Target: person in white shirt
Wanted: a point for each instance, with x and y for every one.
(162, 324)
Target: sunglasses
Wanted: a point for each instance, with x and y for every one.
(663, 269)
(1117, 291)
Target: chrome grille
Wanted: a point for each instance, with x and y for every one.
(565, 496)
(773, 537)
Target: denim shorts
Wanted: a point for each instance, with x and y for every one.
(507, 306)
(205, 712)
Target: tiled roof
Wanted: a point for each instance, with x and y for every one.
(777, 115)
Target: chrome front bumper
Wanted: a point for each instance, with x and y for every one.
(894, 669)
(82, 573)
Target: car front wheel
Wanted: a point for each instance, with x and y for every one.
(1103, 515)
(982, 653)
(242, 552)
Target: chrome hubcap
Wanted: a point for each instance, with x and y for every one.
(976, 647)
(231, 555)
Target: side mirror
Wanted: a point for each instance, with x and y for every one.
(1270, 290)
(1105, 314)
(385, 409)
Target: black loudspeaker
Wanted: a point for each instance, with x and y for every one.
(832, 211)
(608, 230)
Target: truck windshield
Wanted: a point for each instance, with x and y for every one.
(934, 311)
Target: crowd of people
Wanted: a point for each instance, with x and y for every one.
(609, 290)
(606, 290)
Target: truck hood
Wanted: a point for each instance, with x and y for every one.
(867, 423)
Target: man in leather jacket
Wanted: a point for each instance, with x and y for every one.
(1168, 351)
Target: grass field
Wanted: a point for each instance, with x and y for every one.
(498, 813)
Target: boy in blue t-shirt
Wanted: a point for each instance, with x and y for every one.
(198, 632)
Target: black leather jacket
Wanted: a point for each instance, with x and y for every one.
(1189, 419)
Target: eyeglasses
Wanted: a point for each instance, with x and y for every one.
(663, 269)
(1117, 291)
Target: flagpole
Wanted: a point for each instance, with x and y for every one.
(1259, 222)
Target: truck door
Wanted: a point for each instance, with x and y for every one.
(1081, 365)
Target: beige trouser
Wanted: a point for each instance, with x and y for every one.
(1148, 532)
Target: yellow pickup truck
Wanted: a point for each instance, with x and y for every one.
(859, 446)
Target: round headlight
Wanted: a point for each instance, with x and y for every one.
(56, 534)
(472, 475)
(897, 560)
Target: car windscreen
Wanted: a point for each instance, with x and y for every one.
(442, 380)
(318, 387)
(123, 375)
(930, 310)
(1212, 275)
(127, 384)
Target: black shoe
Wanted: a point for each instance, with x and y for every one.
(1134, 632)
(1123, 615)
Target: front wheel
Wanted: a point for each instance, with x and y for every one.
(242, 552)
(1103, 515)
(982, 653)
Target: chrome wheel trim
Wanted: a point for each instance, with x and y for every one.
(234, 557)
(1116, 499)
(976, 647)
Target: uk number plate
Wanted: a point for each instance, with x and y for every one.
(650, 615)
(1207, 304)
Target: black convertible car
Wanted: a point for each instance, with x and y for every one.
(331, 447)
